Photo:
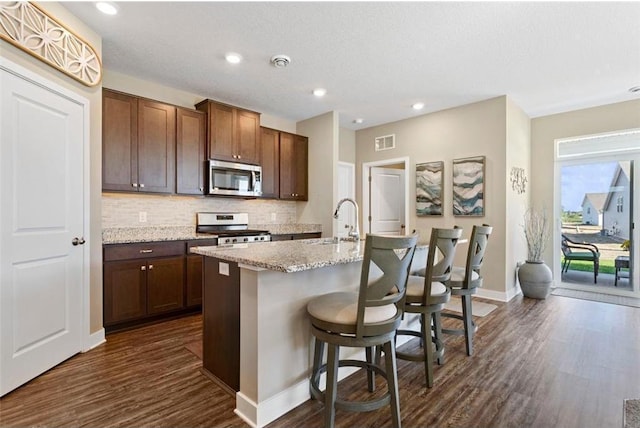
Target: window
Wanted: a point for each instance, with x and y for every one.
(588, 210)
(619, 204)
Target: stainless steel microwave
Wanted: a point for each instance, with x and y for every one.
(234, 179)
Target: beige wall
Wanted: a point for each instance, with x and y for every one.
(518, 155)
(471, 130)
(545, 130)
(94, 95)
(347, 150)
(323, 133)
(144, 88)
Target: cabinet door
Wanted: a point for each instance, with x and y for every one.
(194, 280)
(293, 167)
(287, 166)
(270, 162)
(221, 132)
(165, 285)
(190, 151)
(247, 136)
(156, 147)
(301, 167)
(119, 141)
(125, 291)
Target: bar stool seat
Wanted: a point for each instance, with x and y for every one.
(366, 319)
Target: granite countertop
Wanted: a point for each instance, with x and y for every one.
(289, 256)
(127, 235)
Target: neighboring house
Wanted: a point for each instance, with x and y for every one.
(617, 205)
(592, 205)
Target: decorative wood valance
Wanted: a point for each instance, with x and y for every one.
(26, 26)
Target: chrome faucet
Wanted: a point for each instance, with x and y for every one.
(353, 233)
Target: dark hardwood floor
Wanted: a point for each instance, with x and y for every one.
(558, 362)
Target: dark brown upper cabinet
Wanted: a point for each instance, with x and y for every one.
(190, 151)
(270, 162)
(293, 167)
(232, 133)
(138, 144)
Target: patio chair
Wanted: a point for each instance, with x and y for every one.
(580, 251)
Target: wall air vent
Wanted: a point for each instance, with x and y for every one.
(385, 142)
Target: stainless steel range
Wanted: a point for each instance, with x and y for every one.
(230, 228)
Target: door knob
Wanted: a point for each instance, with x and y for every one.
(77, 241)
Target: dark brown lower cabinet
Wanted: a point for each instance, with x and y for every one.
(194, 280)
(165, 285)
(221, 322)
(294, 236)
(125, 291)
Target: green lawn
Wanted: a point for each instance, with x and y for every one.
(606, 266)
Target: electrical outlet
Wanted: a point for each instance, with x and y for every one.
(142, 216)
(273, 216)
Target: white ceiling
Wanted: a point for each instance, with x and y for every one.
(378, 58)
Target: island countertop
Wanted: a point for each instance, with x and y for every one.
(289, 256)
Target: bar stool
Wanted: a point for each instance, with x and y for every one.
(464, 282)
(427, 295)
(364, 319)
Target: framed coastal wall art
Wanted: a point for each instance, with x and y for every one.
(468, 186)
(429, 188)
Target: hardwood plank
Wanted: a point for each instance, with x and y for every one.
(558, 362)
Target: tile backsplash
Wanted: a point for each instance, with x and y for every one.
(123, 209)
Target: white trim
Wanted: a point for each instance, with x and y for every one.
(500, 296)
(94, 340)
(366, 172)
(36, 79)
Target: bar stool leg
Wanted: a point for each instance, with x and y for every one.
(467, 317)
(428, 349)
(391, 367)
(331, 391)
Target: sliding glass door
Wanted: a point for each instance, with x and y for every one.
(597, 205)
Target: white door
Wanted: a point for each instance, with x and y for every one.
(41, 195)
(387, 201)
(346, 189)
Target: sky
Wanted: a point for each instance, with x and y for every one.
(580, 179)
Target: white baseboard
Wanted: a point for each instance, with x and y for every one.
(500, 296)
(94, 339)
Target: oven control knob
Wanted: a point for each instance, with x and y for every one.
(234, 240)
(246, 239)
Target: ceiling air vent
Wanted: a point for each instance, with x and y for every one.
(385, 142)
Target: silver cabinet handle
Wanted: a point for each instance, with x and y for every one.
(239, 157)
(143, 268)
(146, 251)
(202, 189)
(141, 185)
(150, 267)
(134, 184)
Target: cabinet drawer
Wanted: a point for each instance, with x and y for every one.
(143, 250)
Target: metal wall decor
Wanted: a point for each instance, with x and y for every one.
(518, 180)
(26, 26)
(468, 186)
(429, 188)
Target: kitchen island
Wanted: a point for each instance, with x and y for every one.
(276, 280)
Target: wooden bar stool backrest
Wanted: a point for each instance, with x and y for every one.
(475, 255)
(443, 244)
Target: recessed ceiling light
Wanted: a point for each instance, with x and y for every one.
(107, 8)
(358, 120)
(319, 92)
(233, 57)
(634, 89)
(418, 106)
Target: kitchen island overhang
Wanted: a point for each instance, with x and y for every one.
(276, 281)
